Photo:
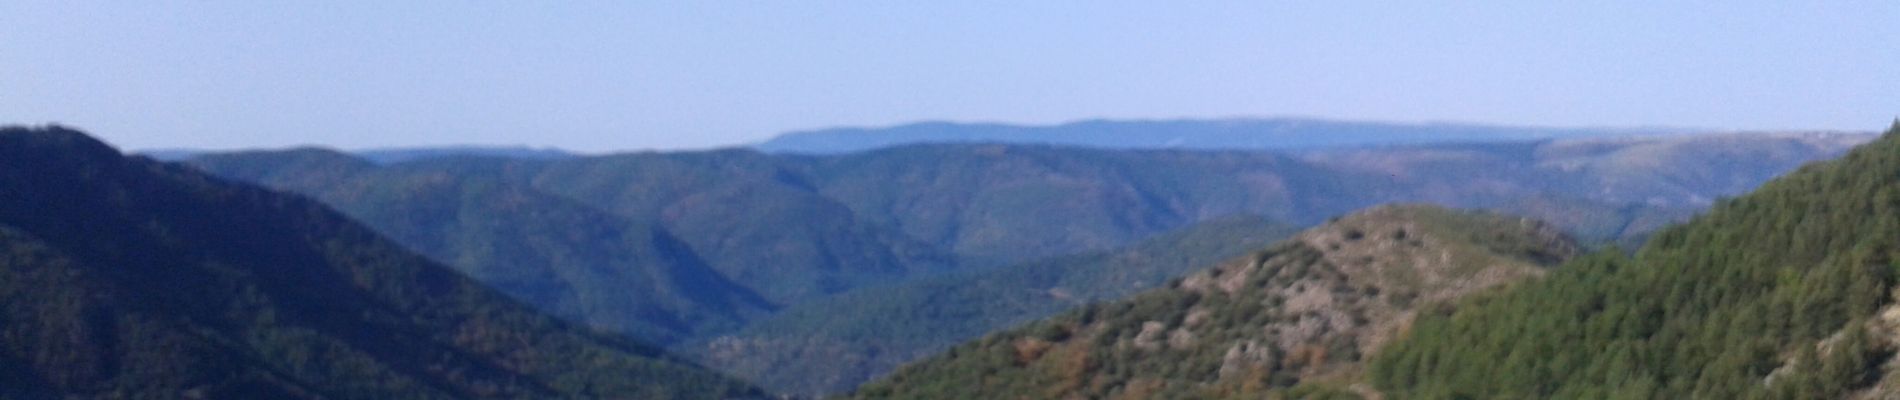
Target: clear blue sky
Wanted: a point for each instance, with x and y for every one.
(619, 75)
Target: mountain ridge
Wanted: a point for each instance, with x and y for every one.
(1278, 133)
(390, 155)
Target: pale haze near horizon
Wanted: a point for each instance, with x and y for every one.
(602, 76)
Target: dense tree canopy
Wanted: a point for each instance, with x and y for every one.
(1770, 295)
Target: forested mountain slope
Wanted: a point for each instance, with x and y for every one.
(1787, 292)
(757, 219)
(869, 332)
(1295, 319)
(1013, 203)
(563, 256)
(739, 216)
(129, 278)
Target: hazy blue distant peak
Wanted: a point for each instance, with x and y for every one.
(387, 156)
(397, 155)
(1214, 134)
(172, 154)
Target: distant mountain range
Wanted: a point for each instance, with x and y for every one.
(121, 277)
(396, 155)
(1217, 134)
(714, 242)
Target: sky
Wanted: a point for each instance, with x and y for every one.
(629, 75)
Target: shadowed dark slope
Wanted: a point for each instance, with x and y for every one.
(125, 277)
